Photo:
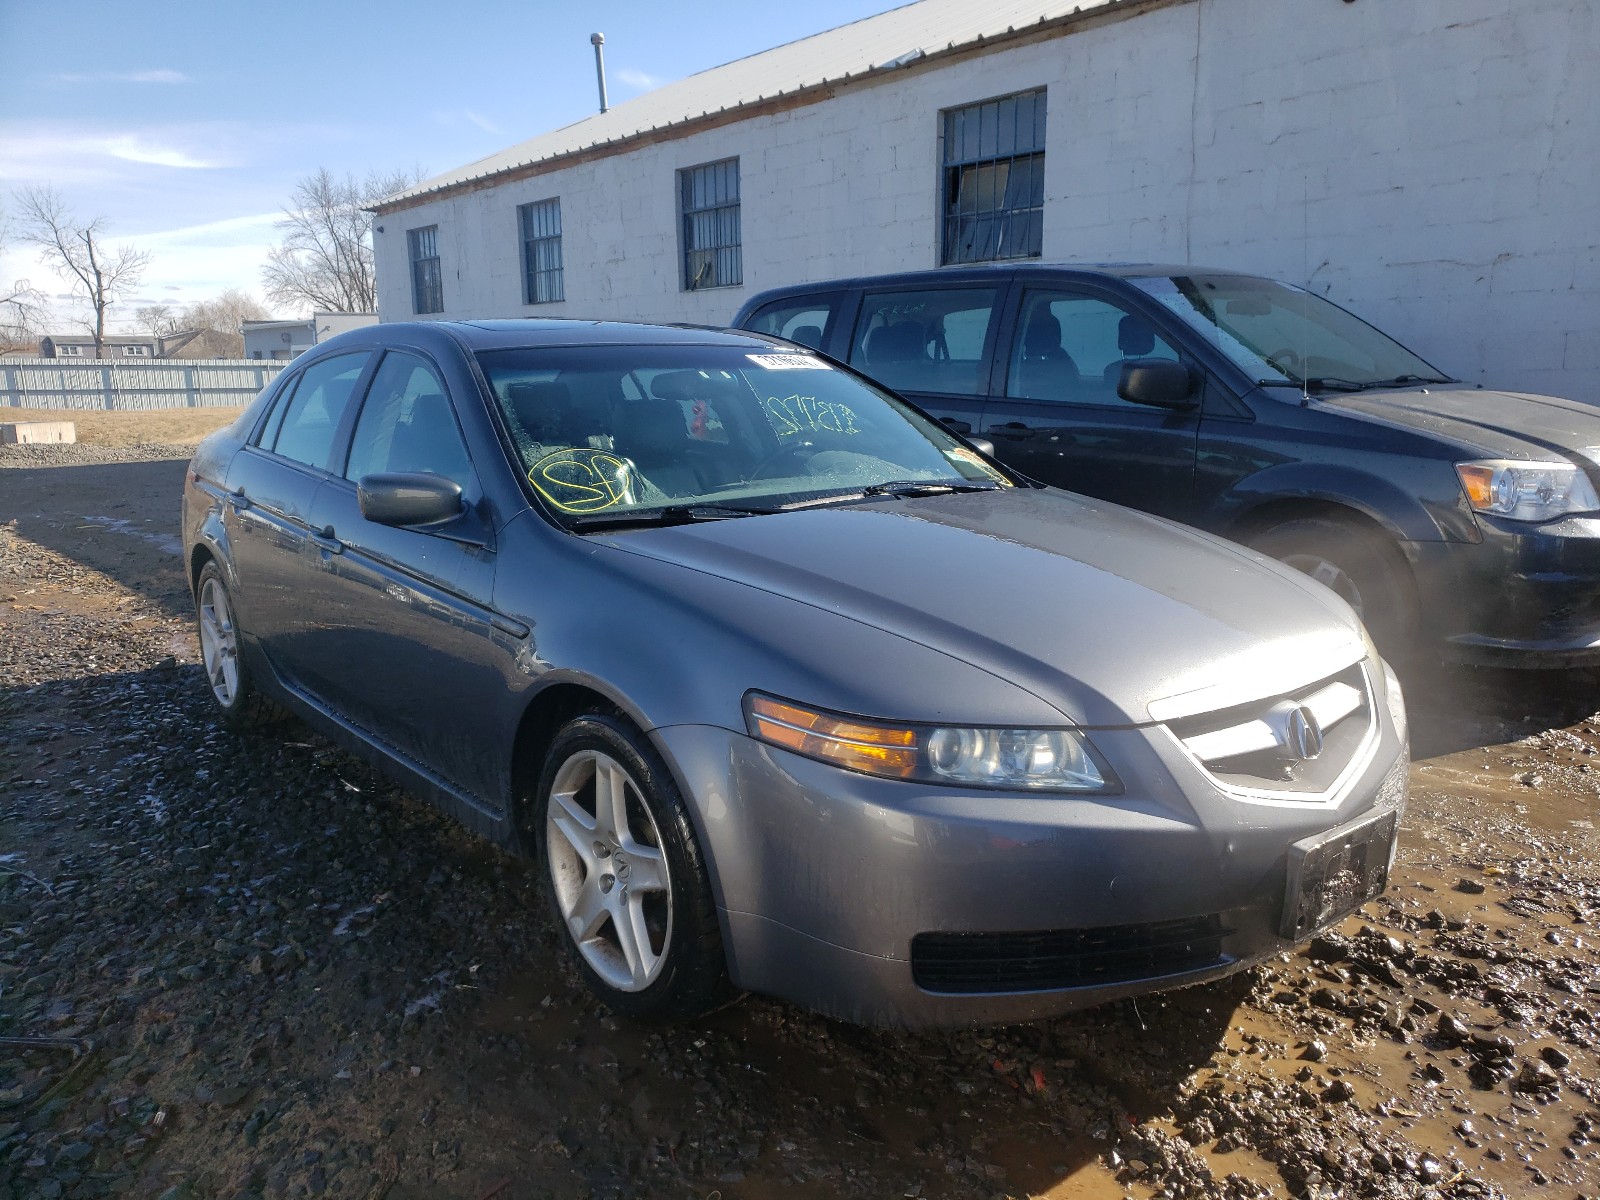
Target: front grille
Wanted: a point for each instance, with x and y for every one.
(1064, 958)
(1245, 747)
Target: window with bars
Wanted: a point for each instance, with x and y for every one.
(541, 252)
(712, 247)
(427, 282)
(994, 179)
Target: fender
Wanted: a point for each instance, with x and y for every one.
(1433, 515)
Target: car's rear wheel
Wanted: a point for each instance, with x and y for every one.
(1360, 566)
(625, 874)
(237, 700)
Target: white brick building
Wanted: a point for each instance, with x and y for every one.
(1433, 164)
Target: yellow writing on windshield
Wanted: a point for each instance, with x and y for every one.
(581, 480)
(798, 414)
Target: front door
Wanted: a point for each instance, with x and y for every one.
(408, 649)
(1059, 419)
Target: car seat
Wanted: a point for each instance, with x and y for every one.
(1135, 339)
(1045, 371)
(653, 435)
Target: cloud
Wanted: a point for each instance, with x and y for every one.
(639, 80)
(70, 153)
(458, 116)
(160, 75)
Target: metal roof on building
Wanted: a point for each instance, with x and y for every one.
(871, 46)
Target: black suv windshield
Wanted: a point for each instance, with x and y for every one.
(611, 436)
(1285, 336)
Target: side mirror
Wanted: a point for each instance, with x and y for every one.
(408, 499)
(1158, 382)
(982, 445)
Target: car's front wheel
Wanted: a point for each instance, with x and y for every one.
(1362, 567)
(625, 874)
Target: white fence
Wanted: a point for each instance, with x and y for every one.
(169, 383)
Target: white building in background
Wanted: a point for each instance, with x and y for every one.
(1433, 164)
(286, 339)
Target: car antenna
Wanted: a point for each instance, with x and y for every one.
(1305, 276)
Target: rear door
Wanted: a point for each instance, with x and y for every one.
(1056, 414)
(934, 344)
(274, 481)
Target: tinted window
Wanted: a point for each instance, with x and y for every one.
(407, 424)
(805, 320)
(1071, 348)
(925, 341)
(280, 405)
(312, 415)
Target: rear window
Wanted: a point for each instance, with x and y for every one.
(925, 341)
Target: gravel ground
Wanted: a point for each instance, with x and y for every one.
(244, 966)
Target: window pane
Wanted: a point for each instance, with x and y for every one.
(709, 197)
(1072, 349)
(925, 341)
(407, 424)
(316, 408)
(994, 182)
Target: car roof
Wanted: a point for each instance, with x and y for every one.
(554, 331)
(978, 271)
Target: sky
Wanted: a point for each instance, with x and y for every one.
(186, 124)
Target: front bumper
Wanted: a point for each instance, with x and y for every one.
(1525, 596)
(825, 879)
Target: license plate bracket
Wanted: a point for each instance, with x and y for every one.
(1333, 873)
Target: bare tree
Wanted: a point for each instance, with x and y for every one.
(158, 320)
(212, 328)
(76, 250)
(21, 305)
(325, 259)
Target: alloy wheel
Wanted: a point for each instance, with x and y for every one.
(610, 875)
(219, 642)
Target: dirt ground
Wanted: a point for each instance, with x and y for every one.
(244, 966)
(96, 427)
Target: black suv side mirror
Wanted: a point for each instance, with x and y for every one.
(408, 499)
(1158, 382)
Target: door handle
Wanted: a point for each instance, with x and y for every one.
(954, 424)
(326, 542)
(238, 501)
(1011, 429)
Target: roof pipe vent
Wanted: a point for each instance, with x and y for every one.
(598, 41)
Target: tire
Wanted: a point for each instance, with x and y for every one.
(236, 700)
(1360, 566)
(625, 878)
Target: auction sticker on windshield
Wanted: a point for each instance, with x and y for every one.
(788, 362)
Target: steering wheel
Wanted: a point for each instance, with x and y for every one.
(782, 452)
(1287, 360)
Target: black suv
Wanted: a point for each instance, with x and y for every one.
(1259, 411)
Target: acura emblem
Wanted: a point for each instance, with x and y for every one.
(1303, 735)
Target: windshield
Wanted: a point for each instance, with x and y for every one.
(604, 433)
(1285, 336)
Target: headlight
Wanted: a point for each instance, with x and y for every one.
(1527, 491)
(1046, 760)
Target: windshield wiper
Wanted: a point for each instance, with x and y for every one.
(1326, 383)
(673, 514)
(1331, 383)
(927, 487)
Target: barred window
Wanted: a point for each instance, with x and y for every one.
(994, 179)
(427, 282)
(541, 252)
(712, 247)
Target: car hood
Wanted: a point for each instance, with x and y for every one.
(1111, 616)
(1492, 424)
